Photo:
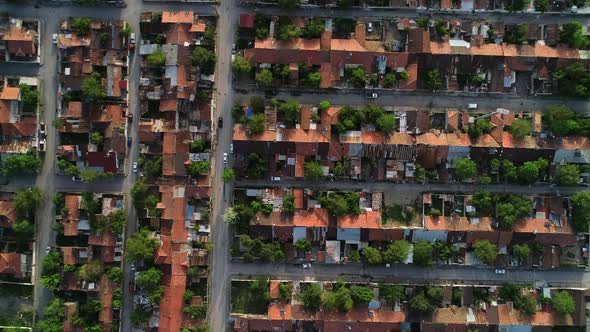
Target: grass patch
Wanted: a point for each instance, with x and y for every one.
(246, 301)
(16, 305)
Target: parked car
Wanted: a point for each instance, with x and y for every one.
(275, 178)
(231, 148)
(129, 140)
(42, 145)
(77, 179)
(135, 167)
(306, 266)
(42, 128)
(372, 95)
(220, 122)
(132, 267)
(370, 27)
(472, 106)
(500, 271)
(47, 250)
(225, 157)
(132, 40)
(54, 38)
(234, 49)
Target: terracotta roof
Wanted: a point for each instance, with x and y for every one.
(70, 222)
(107, 239)
(7, 213)
(298, 194)
(106, 289)
(315, 218)
(247, 20)
(178, 17)
(541, 226)
(168, 105)
(10, 93)
(74, 110)
(68, 255)
(199, 27)
(370, 219)
(73, 41)
(106, 161)
(274, 289)
(457, 224)
(293, 44)
(10, 263)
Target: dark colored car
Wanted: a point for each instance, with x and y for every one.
(220, 122)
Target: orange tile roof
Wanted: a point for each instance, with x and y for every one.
(299, 166)
(273, 219)
(293, 44)
(74, 41)
(462, 224)
(372, 137)
(10, 93)
(178, 17)
(508, 141)
(315, 218)
(68, 256)
(168, 105)
(106, 289)
(8, 213)
(370, 219)
(486, 140)
(432, 139)
(70, 223)
(10, 264)
(298, 194)
(539, 226)
(349, 45)
(274, 289)
(265, 136)
(74, 110)
(199, 27)
(512, 316)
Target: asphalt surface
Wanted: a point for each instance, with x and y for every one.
(449, 274)
(347, 185)
(419, 99)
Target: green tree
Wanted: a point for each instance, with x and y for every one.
(81, 26)
(542, 5)
(573, 80)
(53, 316)
(209, 36)
(338, 300)
(197, 168)
(115, 274)
(139, 193)
(528, 172)
(386, 123)
(509, 170)
(372, 255)
(26, 201)
(289, 203)
(23, 229)
(21, 163)
(204, 59)
(480, 126)
(303, 245)
(419, 303)
(527, 304)
(581, 211)
(313, 171)
(440, 28)
(288, 31)
(157, 58)
(485, 251)
(313, 80)
(512, 208)
(256, 124)
(433, 80)
(361, 295)
(264, 78)
(91, 271)
(50, 281)
(199, 145)
(561, 120)
(569, 175)
(126, 32)
(313, 28)
(397, 252)
(241, 65)
(141, 245)
(516, 34)
(571, 33)
(96, 138)
(289, 112)
(228, 175)
(29, 97)
(520, 128)
(324, 105)
(522, 252)
(389, 81)
(311, 296)
(435, 295)
(422, 252)
(563, 303)
(285, 290)
(344, 3)
(149, 279)
(91, 175)
(358, 77)
(518, 5)
(51, 263)
(392, 293)
(92, 88)
(465, 169)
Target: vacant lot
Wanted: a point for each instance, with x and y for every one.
(16, 305)
(246, 300)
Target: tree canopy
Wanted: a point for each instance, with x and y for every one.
(397, 252)
(573, 80)
(372, 255)
(313, 28)
(422, 251)
(361, 295)
(485, 251)
(581, 210)
(563, 303)
(433, 80)
(204, 59)
(313, 170)
(241, 65)
(157, 58)
(81, 26)
(520, 128)
(264, 78)
(92, 88)
(311, 296)
(141, 245)
(27, 201)
(569, 175)
(572, 34)
(465, 169)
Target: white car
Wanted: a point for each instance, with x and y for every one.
(132, 38)
(132, 267)
(372, 95)
(135, 167)
(42, 128)
(77, 179)
(231, 148)
(48, 249)
(306, 266)
(225, 157)
(370, 27)
(42, 145)
(500, 271)
(54, 38)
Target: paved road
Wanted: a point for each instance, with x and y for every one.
(345, 185)
(422, 99)
(385, 13)
(219, 270)
(451, 274)
(46, 179)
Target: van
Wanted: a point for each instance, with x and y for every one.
(472, 106)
